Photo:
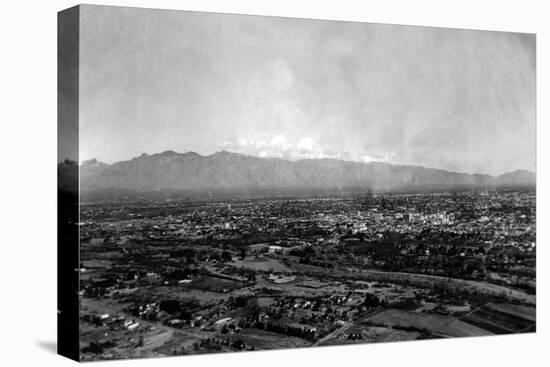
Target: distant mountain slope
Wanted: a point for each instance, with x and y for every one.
(517, 178)
(224, 171)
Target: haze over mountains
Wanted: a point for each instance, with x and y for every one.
(232, 172)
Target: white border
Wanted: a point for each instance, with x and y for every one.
(28, 129)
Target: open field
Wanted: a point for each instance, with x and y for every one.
(262, 264)
(502, 318)
(369, 334)
(439, 325)
(186, 293)
(261, 339)
(215, 284)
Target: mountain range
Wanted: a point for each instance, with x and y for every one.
(231, 172)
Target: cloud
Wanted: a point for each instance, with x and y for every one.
(305, 145)
(279, 146)
(280, 142)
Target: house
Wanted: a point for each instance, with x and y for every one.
(133, 326)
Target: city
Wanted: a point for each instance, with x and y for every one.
(173, 277)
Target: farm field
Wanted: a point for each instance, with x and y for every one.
(267, 265)
(261, 339)
(503, 319)
(438, 325)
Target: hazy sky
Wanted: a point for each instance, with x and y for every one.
(154, 80)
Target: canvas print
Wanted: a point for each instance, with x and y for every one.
(234, 183)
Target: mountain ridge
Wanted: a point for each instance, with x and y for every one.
(226, 171)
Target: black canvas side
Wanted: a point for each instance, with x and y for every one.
(68, 184)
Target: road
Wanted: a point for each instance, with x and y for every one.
(341, 329)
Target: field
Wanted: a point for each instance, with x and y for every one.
(214, 284)
(185, 293)
(261, 339)
(438, 325)
(268, 265)
(503, 319)
(369, 334)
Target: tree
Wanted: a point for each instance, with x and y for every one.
(170, 306)
(371, 300)
(226, 256)
(238, 344)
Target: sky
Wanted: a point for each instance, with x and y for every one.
(157, 80)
